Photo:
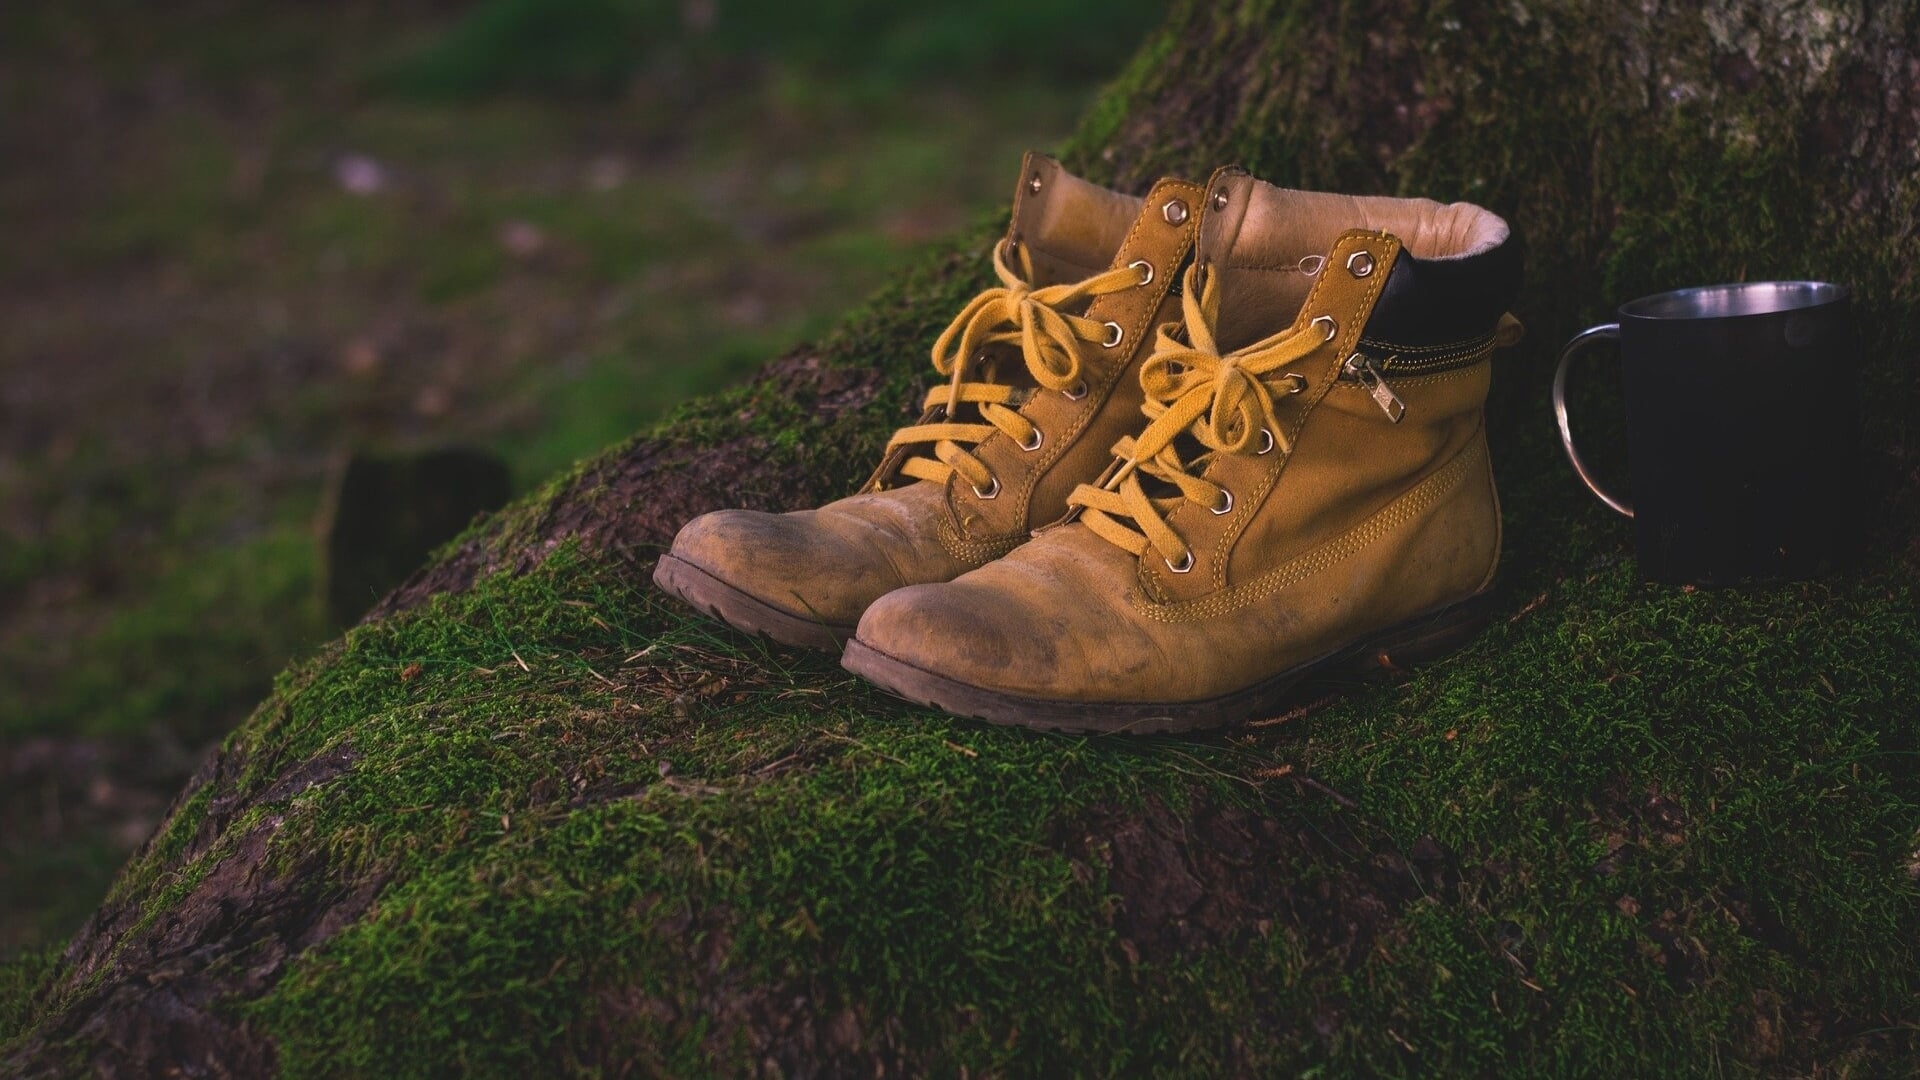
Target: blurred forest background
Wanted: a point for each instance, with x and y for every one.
(245, 240)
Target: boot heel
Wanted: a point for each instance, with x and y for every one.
(1427, 638)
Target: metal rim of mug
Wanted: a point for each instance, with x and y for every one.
(1735, 300)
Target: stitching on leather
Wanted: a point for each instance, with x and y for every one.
(1146, 576)
(1418, 499)
(973, 553)
(1237, 524)
(1109, 375)
(1499, 525)
(1444, 376)
(1275, 268)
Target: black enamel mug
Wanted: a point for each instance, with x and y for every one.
(1742, 430)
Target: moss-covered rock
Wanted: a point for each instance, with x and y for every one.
(532, 817)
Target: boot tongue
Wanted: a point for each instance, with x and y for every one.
(1070, 227)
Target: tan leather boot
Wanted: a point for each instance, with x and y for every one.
(1311, 488)
(1042, 377)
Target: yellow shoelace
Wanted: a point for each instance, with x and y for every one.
(1014, 313)
(1223, 401)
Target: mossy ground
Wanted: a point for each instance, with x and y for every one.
(1675, 828)
(1630, 830)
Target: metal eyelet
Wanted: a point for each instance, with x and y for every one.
(1266, 442)
(1033, 185)
(1332, 327)
(1145, 268)
(1360, 264)
(1114, 335)
(1175, 212)
(992, 490)
(1220, 199)
(1227, 506)
(1296, 382)
(1076, 391)
(1034, 443)
(1185, 564)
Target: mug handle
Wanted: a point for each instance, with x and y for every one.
(1591, 335)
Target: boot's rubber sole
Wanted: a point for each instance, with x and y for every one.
(1415, 641)
(678, 577)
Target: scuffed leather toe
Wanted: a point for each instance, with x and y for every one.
(787, 561)
(1018, 626)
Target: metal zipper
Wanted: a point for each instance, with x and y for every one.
(1371, 371)
(1364, 369)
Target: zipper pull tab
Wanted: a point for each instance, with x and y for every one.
(1361, 367)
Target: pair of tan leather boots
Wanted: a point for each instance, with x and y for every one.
(1192, 449)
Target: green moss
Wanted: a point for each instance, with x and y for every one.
(167, 849)
(22, 981)
(534, 800)
(547, 873)
(1766, 733)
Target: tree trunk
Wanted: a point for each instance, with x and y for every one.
(530, 816)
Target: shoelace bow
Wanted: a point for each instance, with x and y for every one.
(1223, 401)
(1014, 313)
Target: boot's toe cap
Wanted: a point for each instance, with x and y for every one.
(787, 561)
(727, 543)
(950, 631)
(1050, 622)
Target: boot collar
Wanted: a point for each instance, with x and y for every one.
(1457, 272)
(1070, 227)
